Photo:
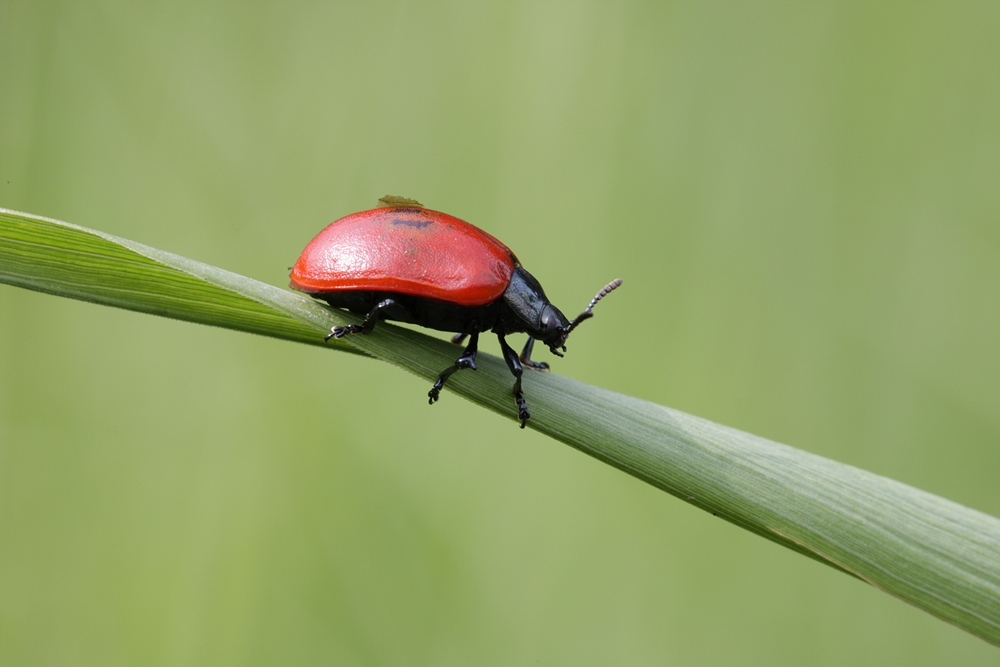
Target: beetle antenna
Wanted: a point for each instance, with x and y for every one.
(589, 311)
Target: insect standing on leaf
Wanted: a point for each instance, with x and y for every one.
(407, 263)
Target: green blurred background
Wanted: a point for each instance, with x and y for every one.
(803, 200)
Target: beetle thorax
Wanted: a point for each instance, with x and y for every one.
(535, 314)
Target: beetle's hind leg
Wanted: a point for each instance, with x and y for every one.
(467, 360)
(365, 327)
(526, 357)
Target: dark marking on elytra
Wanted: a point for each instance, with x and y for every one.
(419, 224)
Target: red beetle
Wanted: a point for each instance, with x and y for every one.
(404, 262)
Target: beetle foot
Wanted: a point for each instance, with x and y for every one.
(522, 409)
(435, 392)
(340, 332)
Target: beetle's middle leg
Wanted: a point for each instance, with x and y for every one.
(467, 360)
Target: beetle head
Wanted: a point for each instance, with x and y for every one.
(553, 328)
(556, 329)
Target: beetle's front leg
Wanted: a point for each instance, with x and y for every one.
(525, 357)
(514, 364)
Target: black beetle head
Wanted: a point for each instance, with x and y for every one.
(553, 328)
(564, 331)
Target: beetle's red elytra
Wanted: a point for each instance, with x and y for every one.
(407, 263)
(406, 250)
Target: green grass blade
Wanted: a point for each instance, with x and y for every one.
(67, 260)
(933, 553)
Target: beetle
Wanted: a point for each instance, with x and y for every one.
(404, 262)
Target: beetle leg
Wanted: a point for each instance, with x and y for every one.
(365, 327)
(514, 364)
(467, 360)
(458, 338)
(526, 357)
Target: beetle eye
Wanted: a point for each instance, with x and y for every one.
(552, 325)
